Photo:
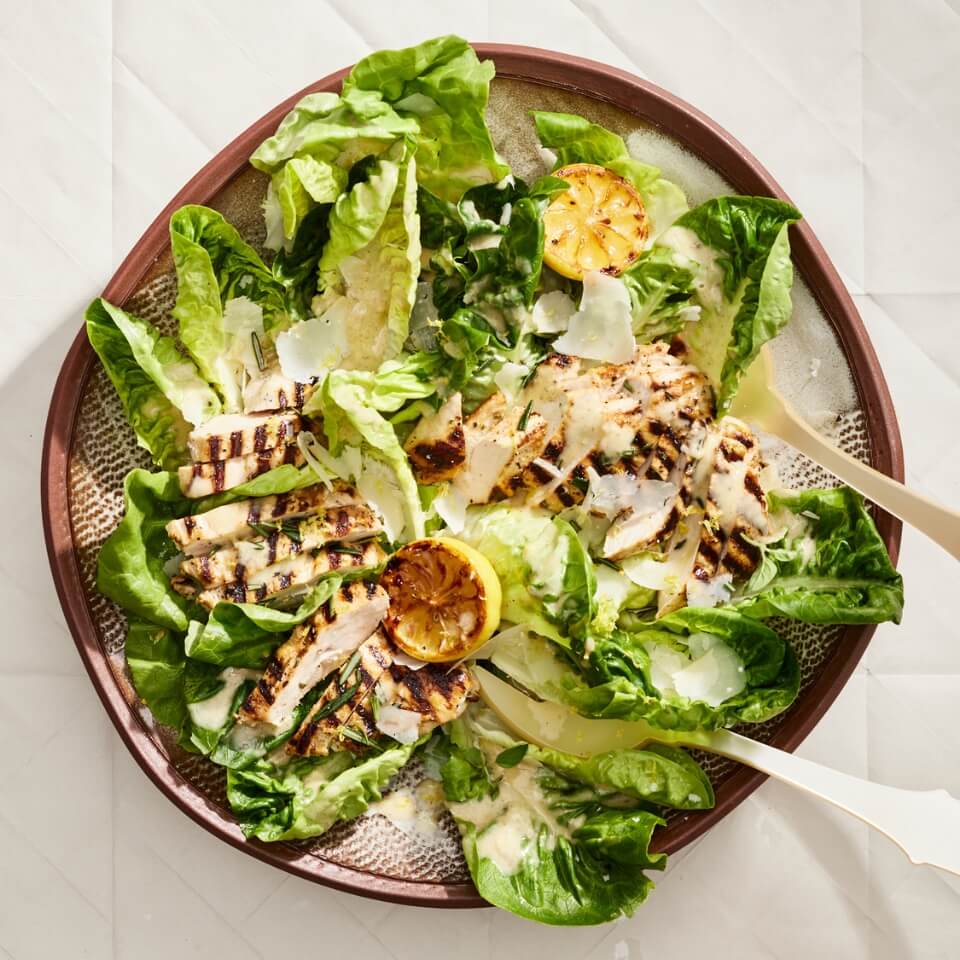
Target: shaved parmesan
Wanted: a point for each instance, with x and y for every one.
(509, 378)
(377, 485)
(615, 493)
(709, 593)
(241, 319)
(552, 312)
(451, 508)
(405, 660)
(402, 725)
(601, 328)
(311, 348)
(711, 674)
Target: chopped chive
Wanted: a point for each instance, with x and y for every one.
(512, 755)
(357, 737)
(337, 702)
(607, 563)
(292, 529)
(350, 548)
(257, 350)
(581, 483)
(522, 423)
(350, 665)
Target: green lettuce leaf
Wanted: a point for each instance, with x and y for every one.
(546, 575)
(443, 88)
(161, 391)
(741, 252)
(214, 264)
(617, 680)
(661, 295)
(352, 404)
(583, 826)
(576, 140)
(304, 798)
(830, 565)
(369, 267)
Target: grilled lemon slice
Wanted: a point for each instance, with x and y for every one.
(599, 223)
(444, 599)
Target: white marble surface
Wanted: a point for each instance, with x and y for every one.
(108, 106)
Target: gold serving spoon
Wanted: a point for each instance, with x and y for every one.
(924, 824)
(760, 403)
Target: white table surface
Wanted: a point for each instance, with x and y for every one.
(108, 106)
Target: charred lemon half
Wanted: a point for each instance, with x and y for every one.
(444, 599)
(598, 223)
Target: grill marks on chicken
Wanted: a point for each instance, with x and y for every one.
(234, 435)
(282, 541)
(275, 548)
(437, 692)
(280, 581)
(436, 446)
(735, 511)
(205, 479)
(203, 532)
(314, 650)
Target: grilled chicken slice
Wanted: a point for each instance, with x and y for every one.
(203, 532)
(234, 435)
(204, 479)
(436, 446)
(274, 391)
(735, 513)
(281, 542)
(711, 549)
(315, 649)
(434, 694)
(286, 580)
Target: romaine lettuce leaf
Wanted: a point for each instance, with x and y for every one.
(441, 86)
(740, 250)
(304, 798)
(547, 577)
(575, 140)
(160, 390)
(214, 265)
(556, 838)
(830, 566)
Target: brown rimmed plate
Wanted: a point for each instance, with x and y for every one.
(88, 448)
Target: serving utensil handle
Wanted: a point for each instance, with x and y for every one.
(925, 824)
(939, 523)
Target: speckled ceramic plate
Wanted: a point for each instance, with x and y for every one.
(88, 448)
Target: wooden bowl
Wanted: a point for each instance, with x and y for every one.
(88, 448)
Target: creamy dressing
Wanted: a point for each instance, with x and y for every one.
(412, 810)
(708, 281)
(214, 712)
(508, 825)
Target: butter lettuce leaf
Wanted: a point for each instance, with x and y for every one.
(741, 254)
(546, 575)
(442, 87)
(215, 264)
(556, 838)
(304, 798)
(161, 391)
(830, 565)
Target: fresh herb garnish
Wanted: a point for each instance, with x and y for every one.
(350, 548)
(337, 702)
(357, 737)
(512, 755)
(350, 665)
(581, 483)
(525, 416)
(604, 561)
(257, 350)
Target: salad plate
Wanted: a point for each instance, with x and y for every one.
(825, 365)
